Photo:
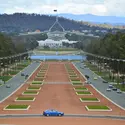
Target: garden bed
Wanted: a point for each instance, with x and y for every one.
(89, 100)
(37, 83)
(30, 93)
(77, 84)
(83, 93)
(17, 107)
(98, 108)
(25, 99)
(33, 88)
(38, 79)
(80, 89)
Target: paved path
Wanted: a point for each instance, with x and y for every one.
(16, 81)
(99, 85)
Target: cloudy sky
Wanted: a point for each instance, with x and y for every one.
(97, 7)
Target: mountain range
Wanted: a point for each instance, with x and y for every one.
(114, 20)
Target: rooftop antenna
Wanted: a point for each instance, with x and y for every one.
(56, 22)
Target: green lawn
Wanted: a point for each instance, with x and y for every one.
(80, 88)
(5, 78)
(98, 107)
(83, 92)
(30, 92)
(1, 84)
(89, 99)
(11, 72)
(25, 98)
(17, 107)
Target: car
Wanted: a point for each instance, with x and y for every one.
(87, 76)
(108, 89)
(22, 74)
(52, 112)
(88, 82)
(119, 91)
(7, 86)
(114, 89)
(105, 81)
(95, 78)
(110, 86)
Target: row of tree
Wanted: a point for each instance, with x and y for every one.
(13, 44)
(111, 45)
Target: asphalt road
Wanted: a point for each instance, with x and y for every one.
(16, 81)
(100, 86)
(66, 115)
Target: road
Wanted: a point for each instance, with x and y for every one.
(99, 85)
(66, 115)
(16, 81)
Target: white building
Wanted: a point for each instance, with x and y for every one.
(51, 43)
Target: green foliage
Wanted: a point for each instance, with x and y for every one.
(6, 46)
(112, 45)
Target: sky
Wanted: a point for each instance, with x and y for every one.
(96, 7)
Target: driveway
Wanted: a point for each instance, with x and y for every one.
(101, 87)
(16, 81)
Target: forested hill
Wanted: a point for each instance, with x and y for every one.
(22, 22)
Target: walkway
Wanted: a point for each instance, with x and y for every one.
(113, 95)
(16, 81)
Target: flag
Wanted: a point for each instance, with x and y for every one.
(55, 10)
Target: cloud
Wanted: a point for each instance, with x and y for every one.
(97, 7)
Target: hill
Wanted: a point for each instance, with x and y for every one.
(95, 18)
(22, 22)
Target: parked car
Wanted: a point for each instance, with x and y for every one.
(114, 89)
(119, 91)
(110, 86)
(7, 86)
(87, 76)
(108, 89)
(26, 76)
(52, 112)
(104, 81)
(22, 74)
(95, 78)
